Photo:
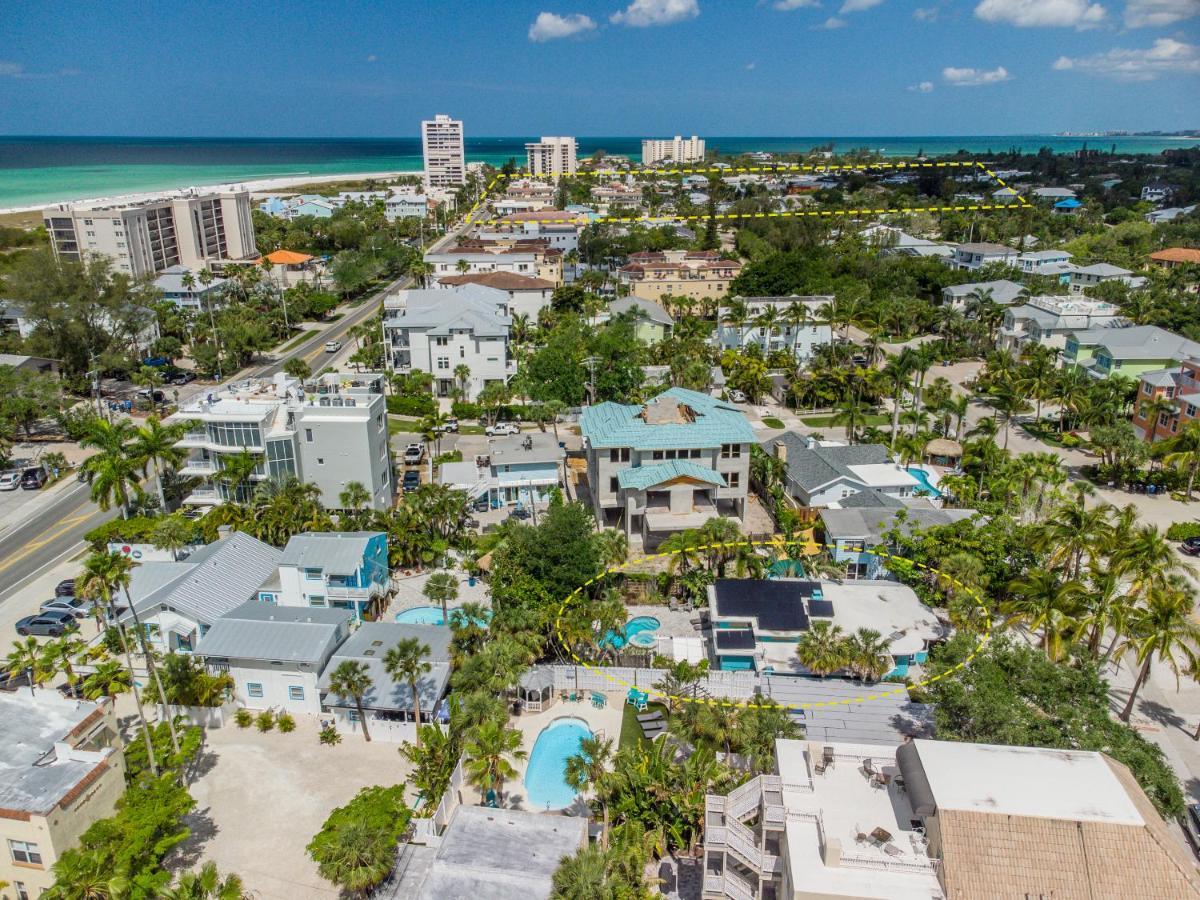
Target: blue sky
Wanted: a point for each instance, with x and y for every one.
(585, 67)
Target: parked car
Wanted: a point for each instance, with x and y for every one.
(413, 454)
(182, 377)
(10, 480)
(519, 512)
(450, 425)
(65, 588)
(1191, 546)
(502, 428)
(333, 346)
(412, 480)
(33, 478)
(76, 606)
(146, 395)
(10, 681)
(51, 624)
(737, 396)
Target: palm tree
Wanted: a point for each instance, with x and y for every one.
(406, 662)
(582, 876)
(897, 370)
(442, 587)
(851, 412)
(462, 375)
(588, 768)
(206, 884)
(351, 679)
(1007, 400)
(59, 655)
(113, 470)
(153, 446)
(26, 656)
(1042, 600)
(794, 316)
(868, 654)
(236, 471)
(1161, 628)
(488, 748)
(173, 533)
(613, 546)
(108, 679)
(102, 574)
(822, 649)
(354, 496)
(1185, 452)
(1073, 530)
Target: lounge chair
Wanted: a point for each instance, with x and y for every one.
(647, 718)
(653, 729)
(892, 850)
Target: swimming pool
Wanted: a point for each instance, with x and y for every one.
(926, 485)
(432, 615)
(544, 784)
(637, 625)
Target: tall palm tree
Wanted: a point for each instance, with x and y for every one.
(103, 573)
(822, 649)
(113, 470)
(26, 656)
(868, 654)
(1042, 600)
(852, 413)
(1185, 452)
(205, 884)
(236, 471)
(406, 662)
(108, 679)
(1072, 531)
(898, 370)
(442, 587)
(488, 749)
(588, 769)
(1162, 628)
(60, 655)
(354, 496)
(351, 679)
(153, 447)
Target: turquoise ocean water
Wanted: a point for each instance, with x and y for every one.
(36, 170)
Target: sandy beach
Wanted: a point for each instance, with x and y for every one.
(258, 188)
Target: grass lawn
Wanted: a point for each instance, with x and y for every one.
(305, 335)
(824, 421)
(631, 731)
(772, 422)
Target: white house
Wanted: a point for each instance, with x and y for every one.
(824, 475)
(406, 206)
(978, 255)
(436, 331)
(275, 654)
(1043, 262)
(337, 569)
(527, 296)
(1002, 291)
(520, 468)
(195, 298)
(801, 338)
(1084, 277)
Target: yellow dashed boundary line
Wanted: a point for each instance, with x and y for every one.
(777, 541)
(1018, 200)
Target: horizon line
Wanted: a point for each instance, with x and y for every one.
(1181, 132)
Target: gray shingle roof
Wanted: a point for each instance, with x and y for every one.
(1003, 290)
(212, 581)
(370, 643)
(871, 523)
(266, 631)
(337, 552)
(813, 467)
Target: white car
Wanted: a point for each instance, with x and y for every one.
(737, 396)
(333, 346)
(10, 481)
(501, 428)
(413, 453)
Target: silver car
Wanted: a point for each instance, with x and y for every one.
(10, 481)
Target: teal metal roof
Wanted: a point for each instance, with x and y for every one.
(643, 477)
(715, 423)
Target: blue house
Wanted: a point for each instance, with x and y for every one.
(344, 570)
(856, 529)
(1067, 207)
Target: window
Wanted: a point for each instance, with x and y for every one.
(696, 453)
(295, 692)
(618, 454)
(441, 342)
(1146, 389)
(254, 689)
(443, 362)
(316, 601)
(22, 892)
(657, 454)
(312, 574)
(25, 852)
(614, 485)
(731, 451)
(320, 460)
(308, 435)
(734, 479)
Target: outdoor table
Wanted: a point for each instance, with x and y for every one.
(881, 835)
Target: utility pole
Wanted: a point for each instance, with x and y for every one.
(590, 362)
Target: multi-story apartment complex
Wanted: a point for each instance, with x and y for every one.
(552, 156)
(500, 253)
(439, 330)
(667, 465)
(443, 151)
(940, 820)
(677, 150)
(699, 274)
(328, 432)
(527, 296)
(190, 228)
(618, 195)
(559, 228)
(800, 337)
(1179, 384)
(61, 769)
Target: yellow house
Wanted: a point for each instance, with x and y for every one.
(61, 769)
(700, 275)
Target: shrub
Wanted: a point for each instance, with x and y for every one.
(1181, 531)
(1070, 440)
(266, 720)
(463, 410)
(419, 405)
(243, 717)
(286, 723)
(329, 735)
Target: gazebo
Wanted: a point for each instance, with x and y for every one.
(943, 452)
(535, 689)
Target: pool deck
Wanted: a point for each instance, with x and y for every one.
(674, 623)
(607, 720)
(408, 593)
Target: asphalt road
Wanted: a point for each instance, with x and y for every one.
(56, 532)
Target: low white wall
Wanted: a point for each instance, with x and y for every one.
(204, 716)
(729, 685)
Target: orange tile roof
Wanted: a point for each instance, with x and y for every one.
(1177, 254)
(286, 258)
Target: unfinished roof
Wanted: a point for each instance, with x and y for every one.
(676, 418)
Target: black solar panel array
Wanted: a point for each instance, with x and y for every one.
(776, 605)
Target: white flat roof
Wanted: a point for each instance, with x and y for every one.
(882, 475)
(1026, 781)
(891, 608)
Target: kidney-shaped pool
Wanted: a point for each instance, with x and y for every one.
(545, 787)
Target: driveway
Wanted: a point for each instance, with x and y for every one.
(262, 797)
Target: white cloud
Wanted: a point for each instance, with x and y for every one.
(858, 5)
(925, 87)
(1042, 13)
(788, 5)
(372, 58)
(750, 66)
(926, 13)
(831, 23)
(643, 13)
(1156, 13)
(11, 69)
(974, 77)
(550, 26)
(1165, 56)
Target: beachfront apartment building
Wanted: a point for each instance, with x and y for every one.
(438, 330)
(666, 465)
(939, 820)
(552, 156)
(61, 769)
(801, 338)
(442, 149)
(1180, 385)
(698, 274)
(192, 228)
(676, 150)
(328, 432)
(1048, 321)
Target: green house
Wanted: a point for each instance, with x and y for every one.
(1131, 352)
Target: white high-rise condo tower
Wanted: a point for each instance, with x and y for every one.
(552, 156)
(445, 160)
(677, 150)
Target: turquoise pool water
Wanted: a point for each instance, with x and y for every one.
(423, 615)
(926, 485)
(544, 784)
(637, 625)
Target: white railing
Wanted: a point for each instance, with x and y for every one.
(728, 685)
(743, 800)
(915, 865)
(432, 824)
(729, 885)
(740, 841)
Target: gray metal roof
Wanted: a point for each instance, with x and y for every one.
(369, 644)
(171, 282)
(337, 552)
(885, 720)
(212, 581)
(1003, 290)
(266, 631)
(1139, 342)
(470, 307)
(651, 310)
